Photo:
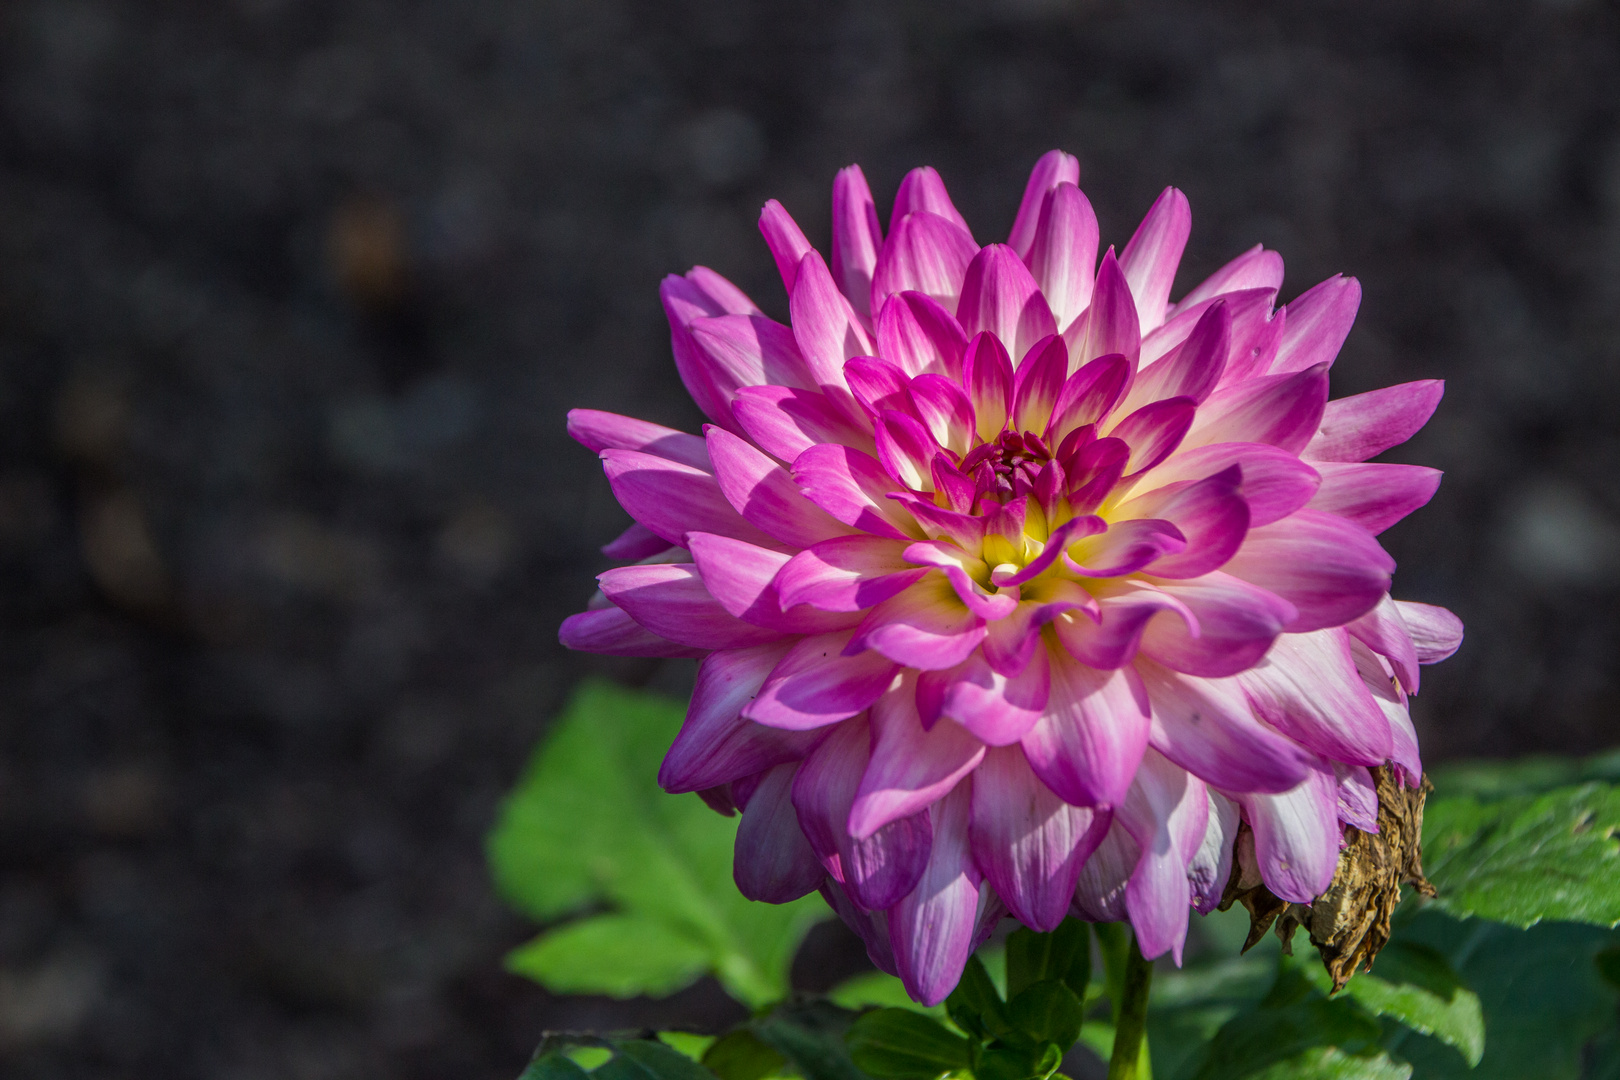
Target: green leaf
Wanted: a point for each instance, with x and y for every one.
(1487, 780)
(1541, 994)
(811, 1034)
(588, 826)
(1415, 985)
(1526, 858)
(689, 1043)
(975, 1005)
(1046, 1011)
(1608, 965)
(1064, 954)
(904, 1045)
(553, 1066)
(741, 1055)
(1189, 1006)
(643, 1059)
(1330, 1063)
(1020, 1060)
(1291, 1019)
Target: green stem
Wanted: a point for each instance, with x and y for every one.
(1130, 1014)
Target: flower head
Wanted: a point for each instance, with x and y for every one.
(1019, 588)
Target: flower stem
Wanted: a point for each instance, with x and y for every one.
(1130, 1014)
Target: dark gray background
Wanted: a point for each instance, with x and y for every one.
(293, 298)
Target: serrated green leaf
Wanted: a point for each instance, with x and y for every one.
(810, 1034)
(1527, 858)
(1540, 992)
(1064, 954)
(617, 955)
(741, 1055)
(553, 1066)
(1414, 984)
(644, 1059)
(1292, 1019)
(1330, 1063)
(587, 825)
(975, 1005)
(898, 1044)
(1046, 1011)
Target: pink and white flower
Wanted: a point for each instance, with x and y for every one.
(1016, 585)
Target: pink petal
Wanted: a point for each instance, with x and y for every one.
(1000, 297)
(1256, 268)
(1029, 843)
(853, 488)
(785, 422)
(1318, 322)
(915, 332)
(598, 431)
(1282, 410)
(1109, 639)
(786, 241)
(987, 374)
(922, 191)
(1038, 382)
(1126, 547)
(1384, 631)
(772, 860)
(906, 450)
(765, 495)
(967, 531)
(961, 570)
(1013, 641)
(1207, 727)
(1088, 743)
(673, 499)
(1167, 814)
(1099, 895)
(878, 384)
(700, 293)
(849, 573)
(1054, 168)
(635, 544)
(1211, 867)
(1333, 571)
(1249, 309)
(1374, 496)
(1150, 259)
(815, 684)
(1210, 513)
(716, 745)
(1154, 431)
(1358, 796)
(1257, 333)
(742, 578)
(826, 328)
(748, 350)
(1356, 428)
(1296, 836)
(670, 600)
(872, 926)
(856, 237)
(944, 407)
(912, 767)
(1275, 482)
(926, 627)
(924, 253)
(1236, 621)
(1436, 632)
(934, 928)
(1063, 255)
(1110, 324)
(1069, 533)
(1087, 396)
(1193, 368)
(879, 869)
(1308, 688)
(997, 709)
(612, 631)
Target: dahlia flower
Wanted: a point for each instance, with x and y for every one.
(1020, 589)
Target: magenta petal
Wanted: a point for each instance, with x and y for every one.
(884, 866)
(1000, 297)
(934, 927)
(906, 450)
(853, 488)
(772, 860)
(670, 600)
(1088, 743)
(966, 531)
(924, 253)
(748, 350)
(998, 709)
(1167, 814)
(1154, 431)
(1374, 496)
(742, 578)
(765, 495)
(1087, 396)
(1275, 482)
(636, 543)
(849, 573)
(785, 421)
(1281, 410)
(673, 499)
(786, 241)
(943, 406)
(987, 374)
(1256, 268)
(824, 325)
(1099, 895)
(701, 293)
(922, 191)
(878, 384)
(815, 684)
(612, 631)
(1108, 638)
(1330, 569)
(1210, 513)
(716, 745)
(1211, 867)
(856, 237)
(1296, 836)
(1356, 428)
(926, 627)
(1193, 368)
(1318, 322)
(1436, 632)
(1038, 382)
(1308, 688)
(1237, 622)
(1063, 254)
(1358, 796)
(1110, 323)
(599, 431)
(1150, 259)
(919, 335)
(1207, 727)
(1054, 168)
(1029, 843)
(912, 767)
(1126, 547)
(1384, 631)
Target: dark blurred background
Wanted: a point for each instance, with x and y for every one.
(294, 296)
